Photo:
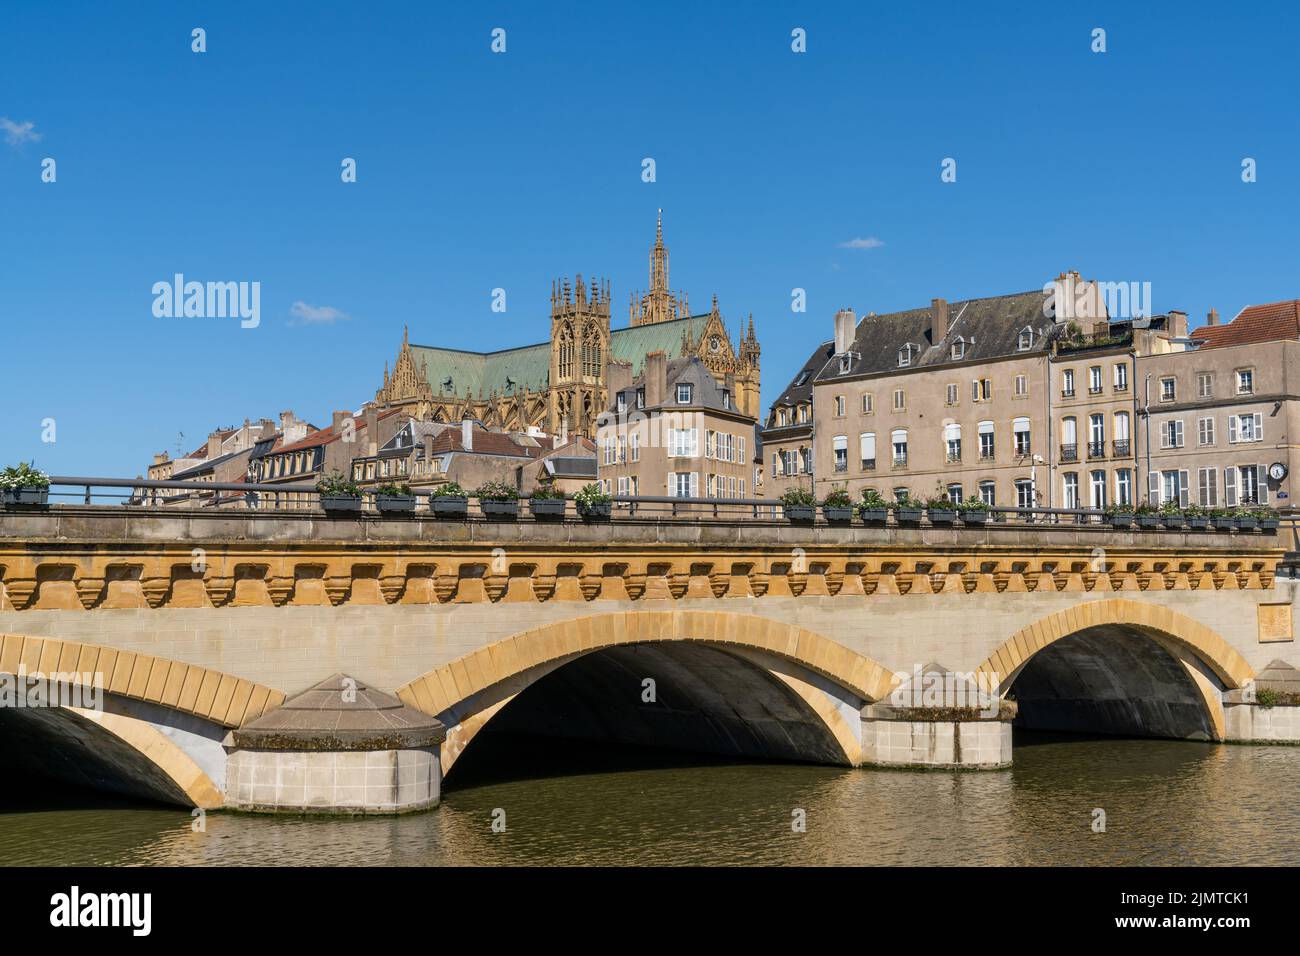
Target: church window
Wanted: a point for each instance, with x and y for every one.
(566, 351)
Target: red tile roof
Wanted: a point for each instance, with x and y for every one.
(329, 435)
(487, 443)
(1255, 323)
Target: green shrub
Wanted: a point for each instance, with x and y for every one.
(838, 498)
(872, 500)
(337, 484)
(591, 495)
(547, 492)
(940, 503)
(974, 504)
(496, 491)
(393, 489)
(798, 497)
(451, 489)
(23, 475)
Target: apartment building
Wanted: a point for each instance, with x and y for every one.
(787, 441)
(675, 432)
(1223, 417)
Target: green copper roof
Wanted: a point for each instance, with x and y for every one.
(475, 373)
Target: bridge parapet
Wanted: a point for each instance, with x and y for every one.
(91, 558)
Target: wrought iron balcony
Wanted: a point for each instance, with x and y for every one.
(1121, 447)
(1096, 449)
(1069, 453)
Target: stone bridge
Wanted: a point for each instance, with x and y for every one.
(251, 660)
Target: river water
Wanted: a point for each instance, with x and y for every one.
(1165, 802)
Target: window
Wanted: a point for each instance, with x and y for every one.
(1022, 385)
(1205, 431)
(1169, 486)
(1020, 432)
(900, 494)
(622, 485)
(841, 446)
(609, 451)
(839, 406)
(683, 484)
(959, 349)
(683, 442)
(1097, 494)
(981, 390)
(1204, 384)
(952, 395)
(740, 451)
(868, 404)
(805, 458)
(728, 448)
(1245, 485)
(1207, 492)
(905, 355)
(1067, 382)
(1245, 381)
(710, 443)
(635, 441)
(1122, 445)
(1025, 340)
(683, 394)
(1094, 380)
(900, 400)
(621, 403)
(1243, 428)
(1069, 439)
(1024, 493)
(1168, 390)
(1171, 434)
(640, 402)
(954, 494)
(846, 363)
(1121, 377)
(622, 449)
(899, 441)
(867, 449)
(986, 441)
(1097, 436)
(952, 441)
(1070, 481)
(988, 492)
(803, 414)
(803, 377)
(1124, 487)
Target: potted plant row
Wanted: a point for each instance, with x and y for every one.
(547, 502)
(837, 507)
(449, 500)
(799, 505)
(942, 510)
(974, 511)
(873, 508)
(394, 498)
(339, 495)
(497, 499)
(24, 485)
(1147, 515)
(593, 504)
(908, 510)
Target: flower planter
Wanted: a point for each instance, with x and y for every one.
(27, 496)
(942, 516)
(340, 504)
(395, 504)
(908, 515)
(547, 508)
(1268, 525)
(837, 515)
(799, 513)
(1121, 521)
(1247, 524)
(1172, 522)
(975, 516)
(597, 511)
(448, 506)
(499, 509)
(1198, 523)
(1148, 521)
(876, 516)
(1224, 524)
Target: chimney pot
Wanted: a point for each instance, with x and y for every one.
(938, 319)
(1212, 318)
(845, 324)
(467, 434)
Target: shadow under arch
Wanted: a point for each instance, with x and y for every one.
(1118, 666)
(812, 682)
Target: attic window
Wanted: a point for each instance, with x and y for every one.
(1026, 339)
(683, 394)
(846, 363)
(905, 355)
(640, 398)
(803, 377)
(959, 349)
(622, 403)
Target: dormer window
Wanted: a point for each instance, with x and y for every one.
(905, 355)
(1026, 339)
(640, 398)
(846, 363)
(959, 350)
(726, 398)
(683, 394)
(622, 403)
(803, 377)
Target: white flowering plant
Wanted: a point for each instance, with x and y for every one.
(590, 496)
(23, 476)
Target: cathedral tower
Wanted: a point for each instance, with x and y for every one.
(658, 305)
(579, 351)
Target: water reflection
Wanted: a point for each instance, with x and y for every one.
(1166, 802)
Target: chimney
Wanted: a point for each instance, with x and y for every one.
(729, 381)
(339, 418)
(372, 430)
(1176, 324)
(618, 376)
(656, 379)
(1212, 318)
(214, 446)
(1065, 298)
(467, 434)
(938, 320)
(845, 325)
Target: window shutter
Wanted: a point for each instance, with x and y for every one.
(868, 446)
(1261, 473)
(1153, 487)
(975, 391)
(1230, 486)
(1178, 433)
(1182, 489)
(1232, 429)
(1259, 427)
(695, 484)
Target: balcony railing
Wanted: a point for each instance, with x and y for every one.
(1067, 393)
(868, 464)
(1096, 449)
(954, 454)
(1121, 386)
(1094, 389)
(1023, 449)
(1121, 447)
(1069, 453)
(900, 461)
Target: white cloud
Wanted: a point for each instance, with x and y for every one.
(305, 314)
(18, 133)
(871, 242)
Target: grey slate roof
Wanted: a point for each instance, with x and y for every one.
(705, 393)
(571, 467)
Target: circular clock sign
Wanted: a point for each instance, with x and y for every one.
(1277, 471)
(715, 344)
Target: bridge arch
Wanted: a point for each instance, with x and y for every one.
(157, 728)
(1131, 665)
(822, 679)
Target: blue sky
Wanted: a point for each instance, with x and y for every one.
(478, 171)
